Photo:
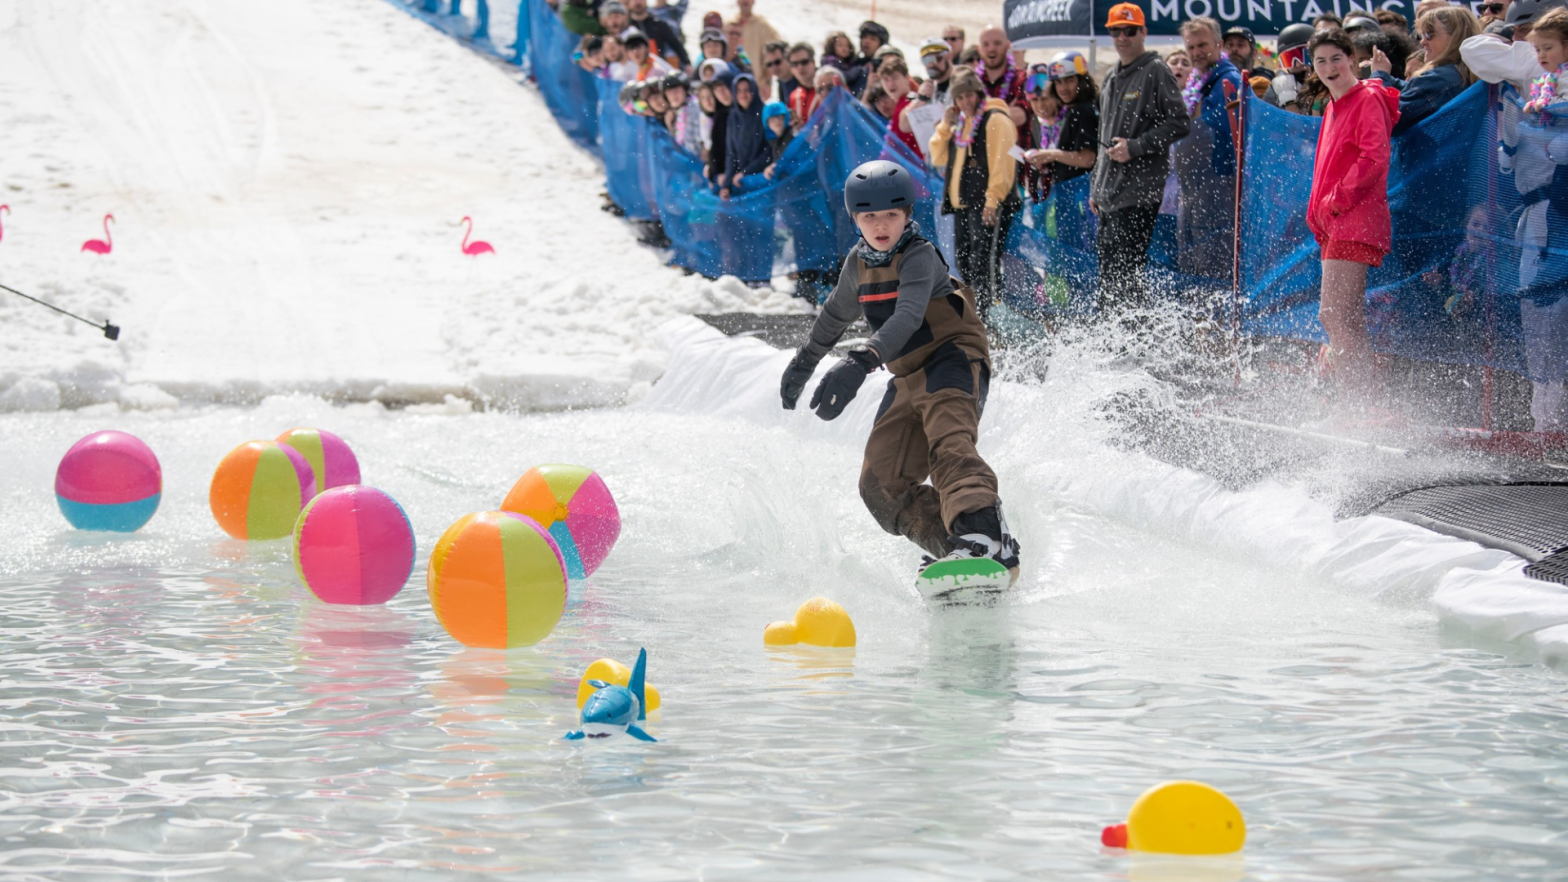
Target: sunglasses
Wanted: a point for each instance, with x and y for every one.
(1037, 83)
(777, 62)
(801, 63)
(1426, 36)
(1123, 32)
(1491, 8)
(953, 40)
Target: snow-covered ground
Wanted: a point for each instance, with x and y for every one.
(286, 180)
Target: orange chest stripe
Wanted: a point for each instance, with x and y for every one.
(871, 298)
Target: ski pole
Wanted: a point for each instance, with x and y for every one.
(110, 331)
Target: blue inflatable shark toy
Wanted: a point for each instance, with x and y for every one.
(615, 710)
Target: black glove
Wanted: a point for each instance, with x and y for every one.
(800, 369)
(842, 381)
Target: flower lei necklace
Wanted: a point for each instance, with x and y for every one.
(1007, 78)
(1192, 93)
(1051, 132)
(1544, 90)
(966, 133)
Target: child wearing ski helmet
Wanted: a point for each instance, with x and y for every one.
(927, 333)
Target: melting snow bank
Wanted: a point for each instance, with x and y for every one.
(287, 181)
(1048, 446)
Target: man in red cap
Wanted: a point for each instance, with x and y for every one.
(1141, 115)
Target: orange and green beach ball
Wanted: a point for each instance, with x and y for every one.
(497, 580)
(259, 488)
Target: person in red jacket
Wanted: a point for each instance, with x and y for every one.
(1348, 210)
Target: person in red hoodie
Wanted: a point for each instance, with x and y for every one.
(1348, 209)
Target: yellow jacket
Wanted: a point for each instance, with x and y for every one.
(1000, 136)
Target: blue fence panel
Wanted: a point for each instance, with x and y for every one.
(1056, 236)
(569, 91)
(1449, 289)
(624, 145)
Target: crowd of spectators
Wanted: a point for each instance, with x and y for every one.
(1154, 133)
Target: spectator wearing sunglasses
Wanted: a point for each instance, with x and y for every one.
(801, 60)
(1444, 74)
(775, 79)
(1495, 10)
(1497, 60)
(953, 36)
(937, 57)
(1141, 115)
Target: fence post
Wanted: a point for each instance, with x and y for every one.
(1238, 119)
(482, 16)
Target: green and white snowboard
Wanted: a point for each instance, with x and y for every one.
(967, 580)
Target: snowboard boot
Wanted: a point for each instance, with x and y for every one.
(984, 533)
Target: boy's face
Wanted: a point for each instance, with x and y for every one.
(882, 228)
(676, 95)
(777, 123)
(638, 53)
(1044, 104)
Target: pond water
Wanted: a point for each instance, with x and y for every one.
(174, 704)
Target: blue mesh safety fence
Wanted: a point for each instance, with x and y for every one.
(569, 91)
(1450, 290)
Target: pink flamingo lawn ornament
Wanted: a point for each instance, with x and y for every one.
(4, 209)
(478, 246)
(104, 245)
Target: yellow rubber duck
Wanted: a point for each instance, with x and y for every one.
(613, 672)
(1180, 817)
(818, 622)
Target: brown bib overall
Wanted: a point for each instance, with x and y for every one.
(929, 419)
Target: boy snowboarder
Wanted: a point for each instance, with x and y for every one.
(926, 332)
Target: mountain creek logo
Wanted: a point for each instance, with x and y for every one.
(1038, 11)
(1131, 96)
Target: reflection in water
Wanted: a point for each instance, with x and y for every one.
(817, 663)
(1177, 868)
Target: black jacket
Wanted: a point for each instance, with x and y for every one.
(745, 142)
(1142, 103)
(666, 39)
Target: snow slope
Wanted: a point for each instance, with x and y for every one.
(286, 180)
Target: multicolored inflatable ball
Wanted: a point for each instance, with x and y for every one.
(354, 545)
(329, 456)
(497, 580)
(108, 481)
(259, 488)
(573, 503)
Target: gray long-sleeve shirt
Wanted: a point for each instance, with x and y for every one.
(1142, 103)
(922, 275)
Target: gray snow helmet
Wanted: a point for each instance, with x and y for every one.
(1294, 35)
(1525, 11)
(878, 186)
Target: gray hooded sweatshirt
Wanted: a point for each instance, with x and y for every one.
(1142, 103)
